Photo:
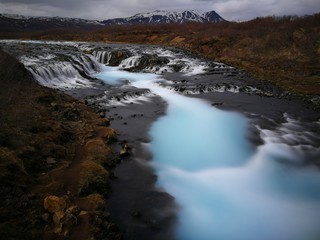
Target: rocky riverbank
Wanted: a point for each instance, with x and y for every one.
(55, 162)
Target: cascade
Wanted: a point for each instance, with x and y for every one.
(102, 56)
(74, 72)
(130, 62)
(86, 63)
(58, 75)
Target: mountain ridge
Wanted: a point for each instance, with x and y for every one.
(15, 22)
(161, 16)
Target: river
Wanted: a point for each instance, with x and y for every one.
(239, 161)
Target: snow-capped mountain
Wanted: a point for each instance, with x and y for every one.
(12, 22)
(168, 17)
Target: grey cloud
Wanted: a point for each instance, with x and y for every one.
(104, 9)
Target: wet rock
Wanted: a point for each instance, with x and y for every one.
(177, 67)
(112, 175)
(153, 223)
(148, 60)
(118, 56)
(125, 150)
(216, 104)
(54, 204)
(153, 60)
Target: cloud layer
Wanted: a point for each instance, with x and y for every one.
(106, 9)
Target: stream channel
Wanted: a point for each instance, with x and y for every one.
(216, 154)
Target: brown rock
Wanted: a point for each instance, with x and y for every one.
(57, 217)
(96, 201)
(54, 204)
(73, 210)
(83, 214)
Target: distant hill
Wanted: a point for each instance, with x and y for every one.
(15, 23)
(167, 17)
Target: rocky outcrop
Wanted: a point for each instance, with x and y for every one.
(54, 204)
(148, 61)
(117, 56)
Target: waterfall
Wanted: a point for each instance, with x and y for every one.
(74, 72)
(130, 62)
(59, 75)
(102, 56)
(86, 63)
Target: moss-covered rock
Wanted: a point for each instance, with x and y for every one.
(93, 179)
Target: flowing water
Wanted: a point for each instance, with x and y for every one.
(226, 187)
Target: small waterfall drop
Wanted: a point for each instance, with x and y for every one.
(63, 72)
(102, 56)
(130, 62)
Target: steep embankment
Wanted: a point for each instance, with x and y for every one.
(54, 162)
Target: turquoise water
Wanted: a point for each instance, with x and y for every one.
(226, 188)
(114, 76)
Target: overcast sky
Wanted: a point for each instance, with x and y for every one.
(106, 9)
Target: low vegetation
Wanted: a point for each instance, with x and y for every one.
(283, 50)
(53, 162)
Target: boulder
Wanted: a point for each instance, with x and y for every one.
(118, 56)
(57, 217)
(148, 60)
(54, 204)
(125, 150)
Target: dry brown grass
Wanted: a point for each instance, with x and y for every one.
(283, 50)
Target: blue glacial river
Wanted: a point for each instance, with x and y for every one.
(226, 188)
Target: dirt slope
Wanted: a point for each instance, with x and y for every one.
(54, 161)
